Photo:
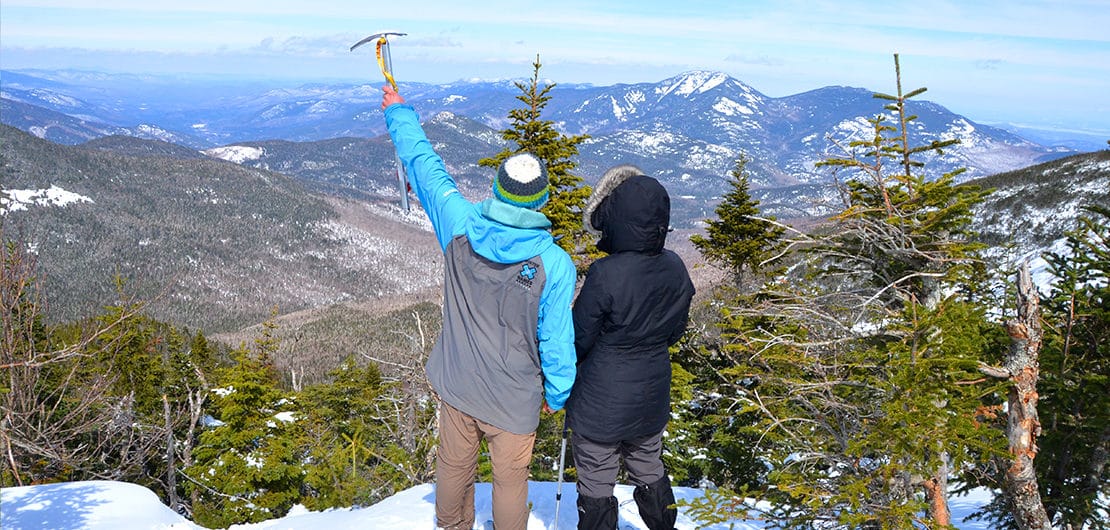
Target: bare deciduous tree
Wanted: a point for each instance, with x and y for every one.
(56, 422)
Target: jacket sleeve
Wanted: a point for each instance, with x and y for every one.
(427, 174)
(590, 310)
(679, 330)
(687, 294)
(555, 330)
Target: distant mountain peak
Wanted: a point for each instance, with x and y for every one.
(693, 82)
(445, 116)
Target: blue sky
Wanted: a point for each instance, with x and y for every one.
(1044, 63)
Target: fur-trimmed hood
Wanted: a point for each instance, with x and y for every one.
(609, 182)
(630, 211)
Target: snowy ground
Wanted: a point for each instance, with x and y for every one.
(104, 505)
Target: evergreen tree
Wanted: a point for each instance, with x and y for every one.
(905, 244)
(338, 432)
(739, 239)
(199, 361)
(710, 441)
(545, 451)
(186, 395)
(745, 244)
(860, 367)
(533, 134)
(353, 435)
(1074, 408)
(132, 349)
(248, 467)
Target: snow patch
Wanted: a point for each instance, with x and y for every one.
(960, 128)
(322, 107)
(659, 143)
(54, 98)
(695, 82)
(287, 417)
(729, 107)
(618, 112)
(91, 505)
(15, 200)
(236, 153)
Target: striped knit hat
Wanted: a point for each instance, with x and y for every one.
(522, 181)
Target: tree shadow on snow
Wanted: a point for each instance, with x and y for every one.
(64, 506)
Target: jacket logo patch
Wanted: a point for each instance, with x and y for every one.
(527, 273)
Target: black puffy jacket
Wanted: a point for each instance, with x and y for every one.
(633, 305)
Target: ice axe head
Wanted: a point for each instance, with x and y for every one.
(382, 51)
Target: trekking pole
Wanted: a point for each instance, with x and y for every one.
(562, 461)
(385, 63)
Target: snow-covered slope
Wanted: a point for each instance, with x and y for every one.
(1030, 209)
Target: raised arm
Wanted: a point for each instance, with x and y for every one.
(428, 177)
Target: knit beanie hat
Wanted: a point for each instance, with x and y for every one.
(522, 181)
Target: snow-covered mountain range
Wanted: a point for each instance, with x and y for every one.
(687, 130)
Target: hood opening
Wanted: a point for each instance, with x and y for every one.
(633, 216)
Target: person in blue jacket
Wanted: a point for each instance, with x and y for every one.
(506, 350)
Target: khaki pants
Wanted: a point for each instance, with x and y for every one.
(456, 471)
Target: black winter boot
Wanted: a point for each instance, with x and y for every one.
(654, 501)
(597, 513)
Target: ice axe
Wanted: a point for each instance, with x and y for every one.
(386, 65)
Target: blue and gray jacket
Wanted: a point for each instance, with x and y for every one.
(508, 338)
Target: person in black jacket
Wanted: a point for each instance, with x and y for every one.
(634, 304)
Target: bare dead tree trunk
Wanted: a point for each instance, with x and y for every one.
(196, 399)
(1022, 368)
(936, 494)
(171, 466)
(409, 442)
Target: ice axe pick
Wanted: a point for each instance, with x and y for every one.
(385, 63)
